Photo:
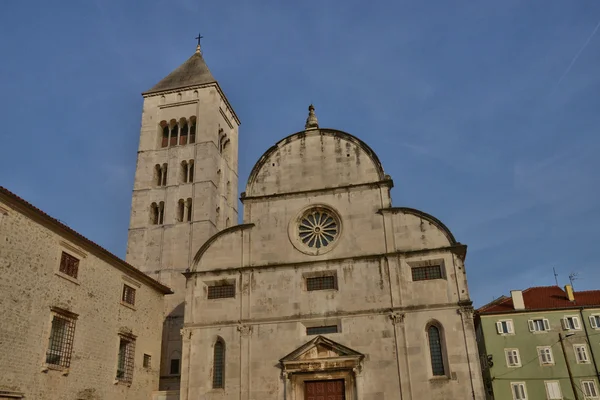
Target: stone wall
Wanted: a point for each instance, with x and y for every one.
(31, 284)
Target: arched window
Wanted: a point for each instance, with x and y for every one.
(183, 135)
(158, 174)
(154, 214)
(192, 129)
(174, 133)
(184, 172)
(219, 365)
(180, 210)
(436, 350)
(189, 209)
(191, 171)
(161, 212)
(165, 134)
(164, 174)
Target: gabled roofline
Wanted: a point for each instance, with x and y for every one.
(214, 237)
(439, 224)
(323, 131)
(52, 223)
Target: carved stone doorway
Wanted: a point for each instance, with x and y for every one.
(325, 390)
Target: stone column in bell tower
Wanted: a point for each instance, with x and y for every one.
(185, 187)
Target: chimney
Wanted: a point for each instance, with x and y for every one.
(569, 290)
(517, 298)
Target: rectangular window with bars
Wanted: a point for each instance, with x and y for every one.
(69, 265)
(128, 295)
(321, 283)
(125, 359)
(60, 343)
(427, 273)
(147, 361)
(221, 291)
(321, 330)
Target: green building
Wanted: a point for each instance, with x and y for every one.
(541, 343)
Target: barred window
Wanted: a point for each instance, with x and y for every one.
(69, 265)
(435, 350)
(126, 359)
(320, 283)
(128, 295)
(427, 273)
(147, 361)
(219, 365)
(319, 330)
(60, 343)
(221, 291)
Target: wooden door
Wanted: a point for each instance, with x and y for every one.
(324, 390)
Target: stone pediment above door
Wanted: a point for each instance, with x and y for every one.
(321, 354)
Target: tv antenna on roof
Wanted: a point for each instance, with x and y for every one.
(555, 275)
(573, 277)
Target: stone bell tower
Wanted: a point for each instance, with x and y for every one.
(185, 187)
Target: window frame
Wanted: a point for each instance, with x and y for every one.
(212, 288)
(585, 351)
(590, 383)
(147, 361)
(128, 363)
(594, 321)
(124, 298)
(324, 330)
(515, 354)
(65, 271)
(424, 268)
(541, 349)
(548, 391)
(509, 323)
(317, 283)
(175, 361)
(442, 351)
(569, 323)
(65, 342)
(218, 380)
(524, 391)
(531, 323)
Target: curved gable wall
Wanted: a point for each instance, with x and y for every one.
(314, 159)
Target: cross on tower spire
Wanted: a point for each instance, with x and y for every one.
(199, 37)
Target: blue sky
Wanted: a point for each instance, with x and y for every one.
(486, 114)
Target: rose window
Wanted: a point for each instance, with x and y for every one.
(318, 228)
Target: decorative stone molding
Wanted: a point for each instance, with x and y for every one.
(186, 333)
(245, 330)
(396, 317)
(466, 311)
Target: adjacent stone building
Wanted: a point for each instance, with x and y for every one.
(527, 339)
(77, 321)
(325, 288)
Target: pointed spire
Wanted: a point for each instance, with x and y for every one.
(311, 121)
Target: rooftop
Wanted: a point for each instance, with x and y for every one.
(193, 72)
(33, 211)
(543, 298)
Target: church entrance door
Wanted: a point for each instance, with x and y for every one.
(324, 390)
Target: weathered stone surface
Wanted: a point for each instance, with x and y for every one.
(31, 284)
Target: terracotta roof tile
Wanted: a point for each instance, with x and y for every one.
(543, 298)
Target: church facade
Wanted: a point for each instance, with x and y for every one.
(325, 291)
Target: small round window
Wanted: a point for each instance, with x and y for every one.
(318, 228)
